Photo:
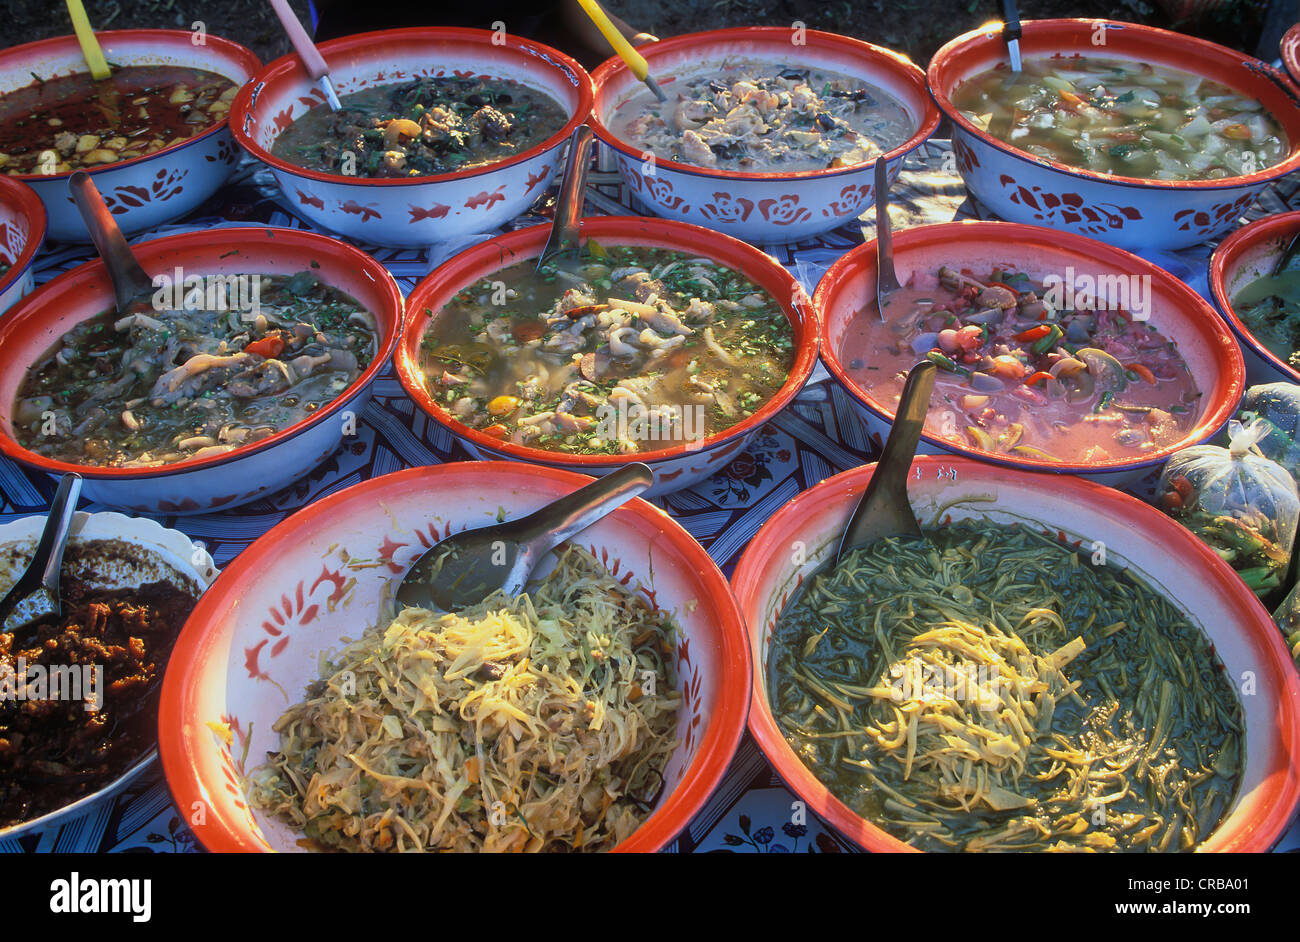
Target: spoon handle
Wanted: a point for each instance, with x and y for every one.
(47, 559)
(302, 44)
(886, 277)
(129, 279)
(547, 528)
(573, 193)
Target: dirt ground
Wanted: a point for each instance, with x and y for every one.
(917, 27)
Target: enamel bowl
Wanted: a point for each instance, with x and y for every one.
(236, 477)
(252, 645)
(1290, 51)
(127, 552)
(771, 207)
(22, 230)
(1173, 561)
(142, 192)
(675, 467)
(411, 211)
(1247, 254)
(1131, 213)
(977, 248)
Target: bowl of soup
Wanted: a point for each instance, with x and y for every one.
(1055, 352)
(85, 724)
(246, 369)
(599, 712)
(1138, 136)
(1054, 666)
(1259, 296)
(769, 135)
(1290, 51)
(657, 341)
(22, 230)
(154, 135)
(444, 132)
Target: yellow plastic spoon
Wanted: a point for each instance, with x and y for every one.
(635, 61)
(89, 44)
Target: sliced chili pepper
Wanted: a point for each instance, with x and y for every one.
(1141, 371)
(269, 346)
(497, 431)
(1037, 377)
(1033, 333)
(1045, 343)
(938, 359)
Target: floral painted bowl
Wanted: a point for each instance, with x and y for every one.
(22, 230)
(1131, 213)
(411, 211)
(763, 208)
(1290, 51)
(1211, 353)
(1247, 254)
(236, 477)
(675, 467)
(251, 647)
(142, 192)
(1174, 562)
(127, 552)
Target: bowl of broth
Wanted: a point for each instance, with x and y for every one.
(1138, 136)
(1056, 353)
(620, 681)
(657, 341)
(444, 131)
(154, 135)
(22, 230)
(245, 370)
(767, 135)
(1260, 303)
(1290, 52)
(1054, 666)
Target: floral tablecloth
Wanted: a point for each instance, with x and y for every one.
(817, 436)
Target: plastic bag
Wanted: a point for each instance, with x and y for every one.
(1239, 502)
(1277, 407)
(1287, 617)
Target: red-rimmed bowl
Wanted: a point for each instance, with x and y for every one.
(216, 482)
(1247, 254)
(1290, 52)
(1171, 560)
(760, 207)
(675, 467)
(252, 644)
(411, 211)
(143, 192)
(1182, 315)
(22, 230)
(1132, 213)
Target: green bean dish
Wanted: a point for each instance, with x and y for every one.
(991, 689)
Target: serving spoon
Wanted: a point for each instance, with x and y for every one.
(311, 58)
(467, 567)
(41, 578)
(886, 277)
(131, 286)
(884, 509)
(568, 202)
(1011, 32)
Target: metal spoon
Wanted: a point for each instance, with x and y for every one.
(1011, 32)
(131, 286)
(886, 278)
(568, 202)
(467, 567)
(884, 509)
(311, 58)
(42, 574)
(1287, 255)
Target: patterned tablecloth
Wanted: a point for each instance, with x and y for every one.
(817, 436)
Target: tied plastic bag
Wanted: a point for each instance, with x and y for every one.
(1242, 504)
(1287, 617)
(1277, 407)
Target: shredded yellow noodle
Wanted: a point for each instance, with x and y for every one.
(522, 724)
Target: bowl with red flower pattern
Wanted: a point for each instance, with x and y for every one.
(166, 169)
(22, 230)
(1057, 353)
(1290, 49)
(705, 183)
(327, 573)
(1165, 150)
(409, 206)
(1107, 528)
(196, 463)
